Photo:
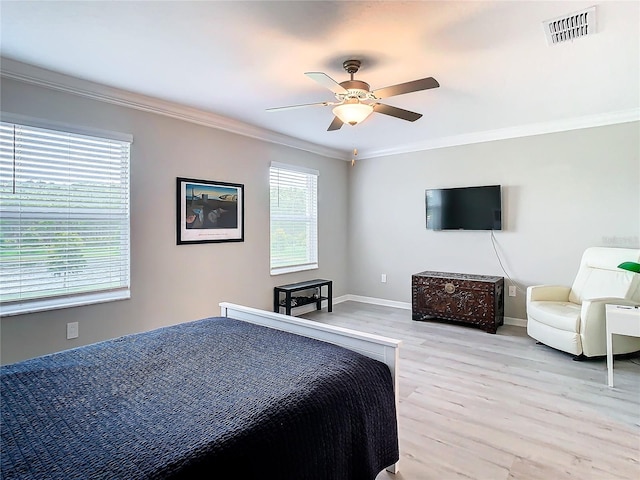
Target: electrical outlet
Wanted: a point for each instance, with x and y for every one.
(512, 290)
(72, 330)
(383, 278)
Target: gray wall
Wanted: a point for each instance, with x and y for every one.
(562, 192)
(176, 283)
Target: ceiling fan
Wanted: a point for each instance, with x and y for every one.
(356, 101)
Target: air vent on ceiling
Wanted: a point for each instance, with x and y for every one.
(570, 27)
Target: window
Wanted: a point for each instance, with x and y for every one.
(294, 218)
(64, 218)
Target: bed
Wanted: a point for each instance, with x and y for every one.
(247, 394)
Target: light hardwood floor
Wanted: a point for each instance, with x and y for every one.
(490, 407)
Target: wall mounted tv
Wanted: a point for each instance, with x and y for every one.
(464, 208)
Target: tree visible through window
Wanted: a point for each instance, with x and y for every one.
(294, 218)
(64, 218)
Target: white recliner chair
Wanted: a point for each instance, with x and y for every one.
(572, 319)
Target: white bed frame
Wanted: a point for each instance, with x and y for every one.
(377, 347)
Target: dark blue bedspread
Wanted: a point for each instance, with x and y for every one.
(203, 399)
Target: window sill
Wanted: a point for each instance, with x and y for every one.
(42, 305)
(296, 268)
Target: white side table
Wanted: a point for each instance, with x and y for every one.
(621, 320)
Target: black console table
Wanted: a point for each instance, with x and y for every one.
(288, 301)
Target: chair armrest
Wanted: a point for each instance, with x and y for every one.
(549, 293)
(593, 325)
(610, 300)
(595, 308)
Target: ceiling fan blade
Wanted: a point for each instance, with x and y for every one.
(396, 112)
(289, 107)
(326, 81)
(408, 87)
(335, 125)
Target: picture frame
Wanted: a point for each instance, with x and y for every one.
(209, 211)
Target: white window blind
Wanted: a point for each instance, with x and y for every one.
(294, 218)
(64, 219)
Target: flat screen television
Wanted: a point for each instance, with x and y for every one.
(464, 208)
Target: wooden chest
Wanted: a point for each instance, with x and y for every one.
(475, 300)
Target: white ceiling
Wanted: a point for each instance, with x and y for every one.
(235, 59)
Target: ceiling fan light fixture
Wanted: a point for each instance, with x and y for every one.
(351, 94)
(353, 113)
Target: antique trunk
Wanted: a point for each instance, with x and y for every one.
(475, 300)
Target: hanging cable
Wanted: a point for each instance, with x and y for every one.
(516, 284)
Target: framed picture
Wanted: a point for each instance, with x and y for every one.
(209, 211)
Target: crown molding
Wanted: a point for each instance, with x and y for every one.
(31, 74)
(23, 72)
(576, 123)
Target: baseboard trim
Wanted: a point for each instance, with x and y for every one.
(378, 301)
(340, 299)
(309, 307)
(517, 322)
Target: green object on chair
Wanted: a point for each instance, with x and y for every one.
(631, 266)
